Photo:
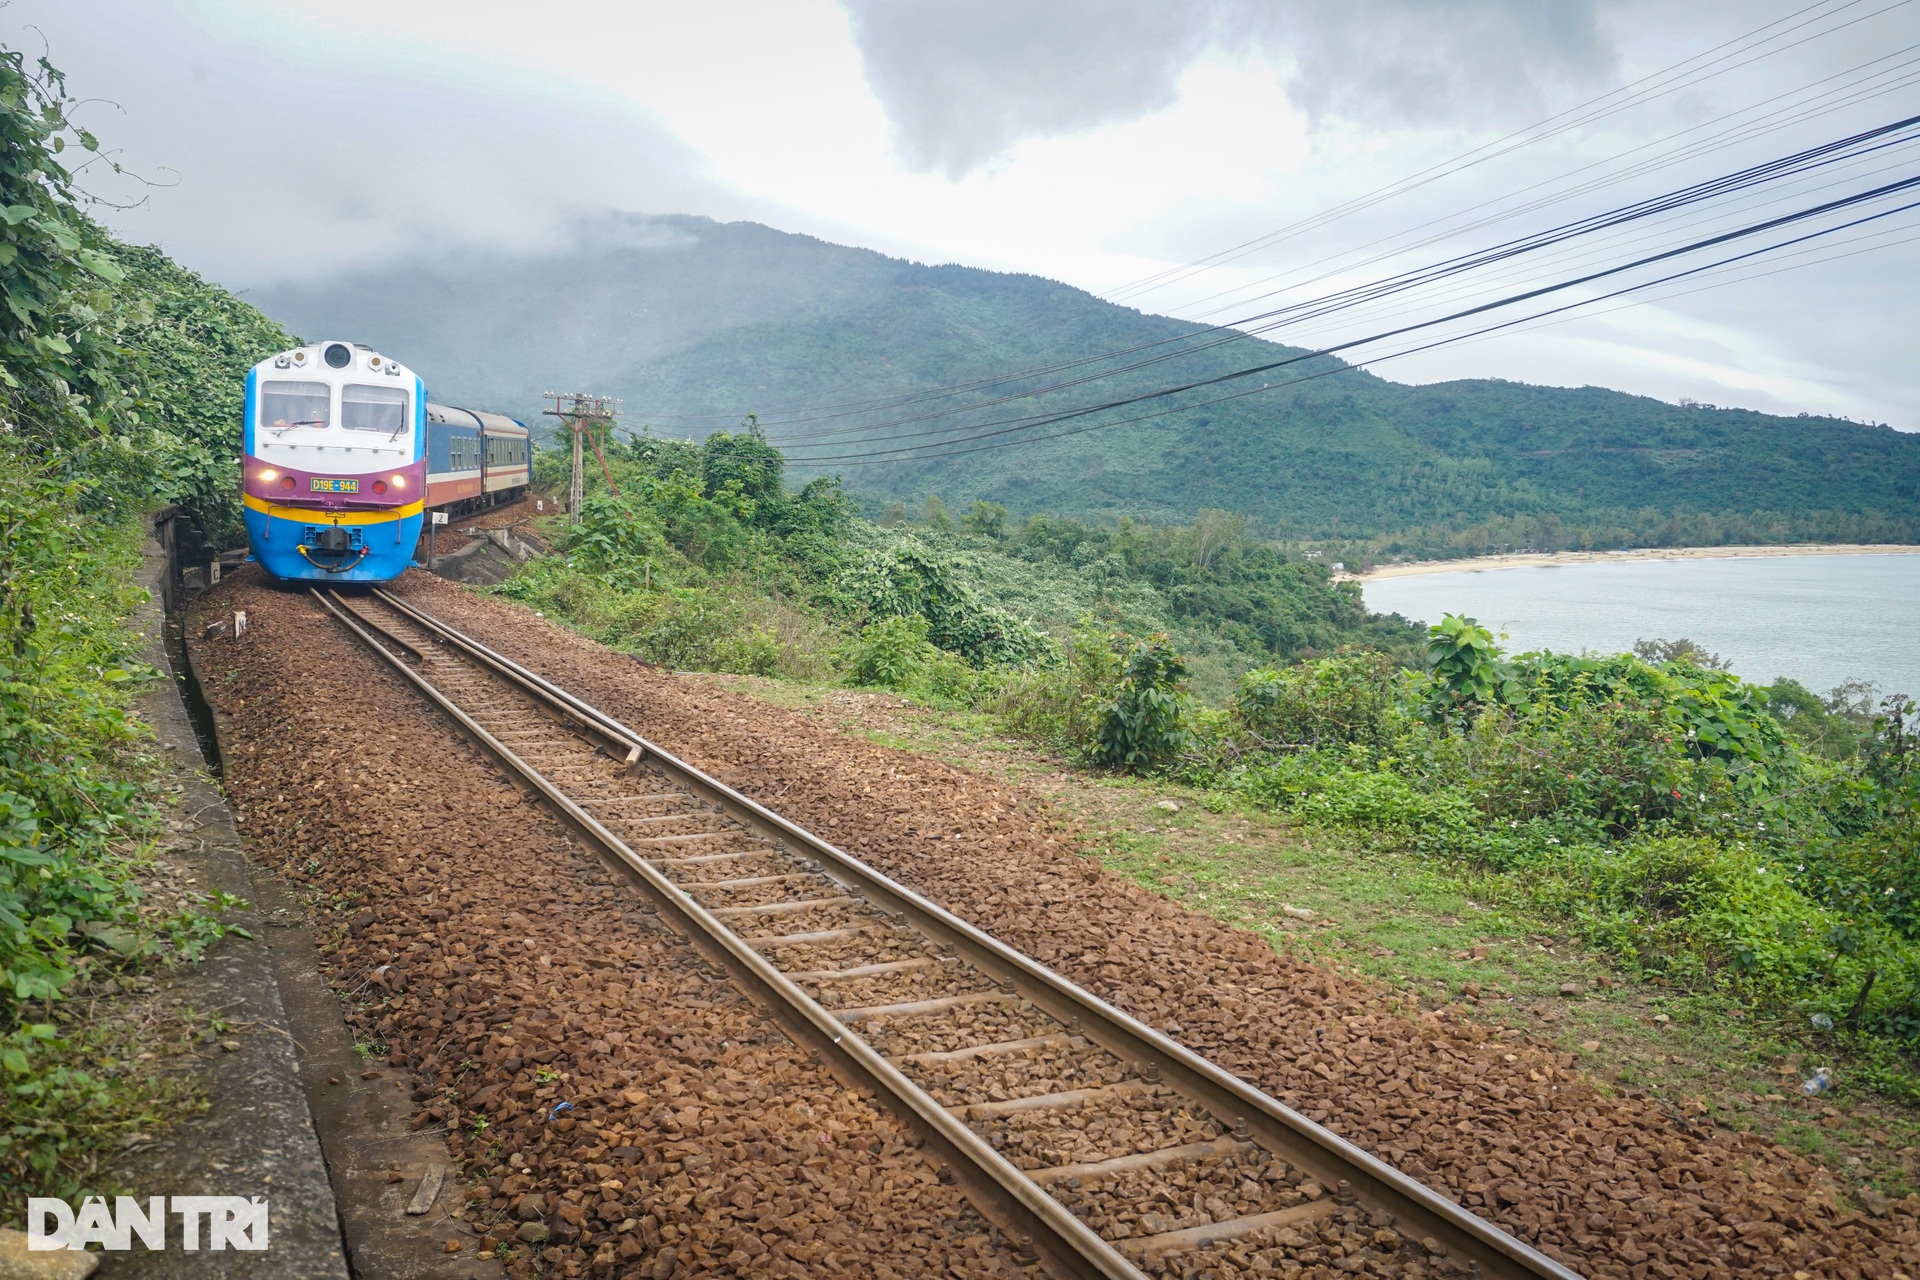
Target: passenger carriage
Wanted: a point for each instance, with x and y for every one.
(474, 459)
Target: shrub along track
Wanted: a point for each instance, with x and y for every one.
(1610, 1185)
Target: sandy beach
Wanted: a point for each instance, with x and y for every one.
(1478, 564)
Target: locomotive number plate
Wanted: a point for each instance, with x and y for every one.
(334, 486)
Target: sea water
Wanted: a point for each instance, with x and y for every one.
(1821, 620)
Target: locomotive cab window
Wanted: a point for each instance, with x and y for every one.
(373, 409)
(296, 404)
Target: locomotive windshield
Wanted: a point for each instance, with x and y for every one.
(296, 404)
(373, 409)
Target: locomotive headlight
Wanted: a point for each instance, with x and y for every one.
(269, 475)
(399, 482)
(299, 357)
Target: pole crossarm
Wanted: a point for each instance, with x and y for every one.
(582, 412)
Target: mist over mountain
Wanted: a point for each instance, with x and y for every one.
(696, 323)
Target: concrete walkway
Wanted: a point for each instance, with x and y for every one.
(256, 1137)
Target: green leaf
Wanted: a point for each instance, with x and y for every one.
(113, 936)
(101, 265)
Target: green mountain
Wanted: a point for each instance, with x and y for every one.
(697, 323)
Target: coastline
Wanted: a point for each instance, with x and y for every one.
(1530, 560)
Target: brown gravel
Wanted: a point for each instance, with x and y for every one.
(518, 516)
(1109, 1116)
(619, 1109)
(1614, 1186)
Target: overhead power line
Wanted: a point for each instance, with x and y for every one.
(971, 443)
(1810, 160)
(1657, 84)
(1838, 91)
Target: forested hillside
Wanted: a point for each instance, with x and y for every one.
(697, 323)
(120, 377)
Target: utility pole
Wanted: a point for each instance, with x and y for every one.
(581, 412)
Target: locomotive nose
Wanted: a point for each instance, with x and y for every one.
(333, 539)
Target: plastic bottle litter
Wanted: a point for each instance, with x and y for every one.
(1822, 1082)
(1824, 1021)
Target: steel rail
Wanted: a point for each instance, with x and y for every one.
(1004, 1193)
(1417, 1209)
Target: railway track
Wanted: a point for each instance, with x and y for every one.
(1105, 1147)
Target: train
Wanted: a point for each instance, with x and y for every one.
(343, 455)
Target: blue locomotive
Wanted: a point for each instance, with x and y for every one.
(343, 456)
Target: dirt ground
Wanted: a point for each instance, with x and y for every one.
(518, 516)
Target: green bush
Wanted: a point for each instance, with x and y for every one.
(910, 578)
(693, 629)
(1061, 703)
(66, 668)
(1347, 698)
(1208, 583)
(893, 653)
(616, 537)
(1662, 810)
(1713, 713)
(1466, 666)
(1321, 787)
(1143, 729)
(703, 625)
(1616, 764)
(1832, 728)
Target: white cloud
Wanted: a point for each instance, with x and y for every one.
(1094, 143)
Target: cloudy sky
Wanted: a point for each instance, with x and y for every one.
(1100, 142)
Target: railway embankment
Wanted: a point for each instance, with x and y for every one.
(608, 1104)
(607, 1097)
(485, 547)
(1608, 1181)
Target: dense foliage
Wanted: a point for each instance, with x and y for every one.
(118, 391)
(703, 558)
(1707, 831)
(191, 344)
(741, 318)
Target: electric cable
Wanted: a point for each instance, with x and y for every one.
(1466, 313)
(1807, 160)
